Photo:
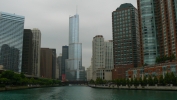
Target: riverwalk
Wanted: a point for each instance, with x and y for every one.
(147, 87)
(7, 88)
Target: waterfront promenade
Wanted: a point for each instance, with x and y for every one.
(147, 87)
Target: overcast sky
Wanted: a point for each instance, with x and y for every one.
(52, 18)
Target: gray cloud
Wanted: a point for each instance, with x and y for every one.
(52, 18)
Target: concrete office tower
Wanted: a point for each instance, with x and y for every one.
(59, 60)
(89, 73)
(108, 51)
(27, 52)
(46, 63)
(102, 58)
(74, 63)
(158, 23)
(11, 41)
(36, 51)
(126, 40)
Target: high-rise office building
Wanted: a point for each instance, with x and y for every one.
(59, 58)
(82, 74)
(108, 55)
(63, 62)
(27, 52)
(46, 63)
(102, 58)
(126, 40)
(36, 51)
(158, 24)
(11, 41)
(98, 52)
(74, 63)
(54, 63)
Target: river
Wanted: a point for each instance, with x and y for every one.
(85, 93)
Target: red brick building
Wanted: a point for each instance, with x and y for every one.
(157, 70)
(120, 71)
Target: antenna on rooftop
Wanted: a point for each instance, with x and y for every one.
(76, 9)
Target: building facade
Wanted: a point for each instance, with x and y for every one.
(46, 63)
(54, 67)
(82, 74)
(27, 60)
(74, 63)
(102, 58)
(126, 38)
(89, 73)
(36, 51)
(157, 70)
(11, 41)
(63, 62)
(158, 25)
(59, 60)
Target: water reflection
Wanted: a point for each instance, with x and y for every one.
(86, 93)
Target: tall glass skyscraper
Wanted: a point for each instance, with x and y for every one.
(148, 28)
(11, 41)
(74, 63)
(158, 23)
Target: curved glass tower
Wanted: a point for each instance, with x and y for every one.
(148, 31)
(74, 63)
(11, 41)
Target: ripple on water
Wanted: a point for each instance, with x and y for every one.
(85, 93)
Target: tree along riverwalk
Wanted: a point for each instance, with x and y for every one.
(147, 87)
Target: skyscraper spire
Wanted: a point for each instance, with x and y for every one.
(76, 9)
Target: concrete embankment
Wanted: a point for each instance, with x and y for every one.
(162, 88)
(7, 88)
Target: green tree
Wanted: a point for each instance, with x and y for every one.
(117, 82)
(167, 79)
(128, 82)
(141, 81)
(150, 81)
(136, 83)
(131, 82)
(161, 80)
(173, 78)
(92, 81)
(145, 81)
(172, 57)
(158, 59)
(123, 82)
(155, 80)
(99, 81)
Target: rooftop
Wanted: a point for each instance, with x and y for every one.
(125, 5)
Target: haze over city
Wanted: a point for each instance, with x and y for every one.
(52, 18)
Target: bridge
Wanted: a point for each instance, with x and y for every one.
(74, 82)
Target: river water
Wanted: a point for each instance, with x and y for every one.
(86, 93)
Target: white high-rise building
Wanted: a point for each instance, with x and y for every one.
(102, 58)
(36, 51)
(74, 63)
